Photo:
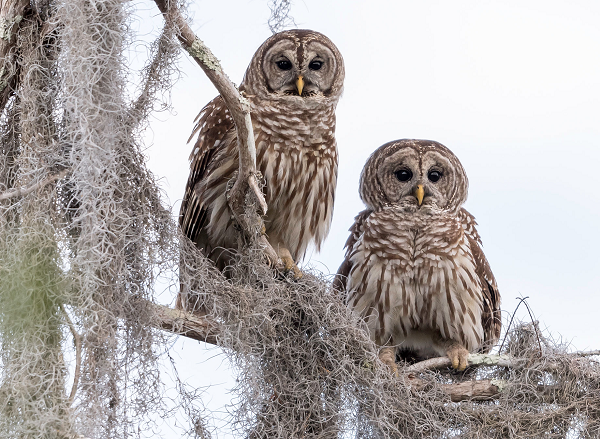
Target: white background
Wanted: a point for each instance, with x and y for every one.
(512, 87)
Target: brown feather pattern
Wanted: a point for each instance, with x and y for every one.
(418, 274)
(296, 151)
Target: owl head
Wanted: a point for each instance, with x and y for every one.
(415, 175)
(296, 66)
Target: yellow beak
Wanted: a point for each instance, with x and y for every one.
(420, 193)
(300, 85)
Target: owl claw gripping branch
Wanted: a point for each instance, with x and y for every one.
(292, 84)
(414, 267)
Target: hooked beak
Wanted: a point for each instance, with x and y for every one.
(300, 85)
(419, 193)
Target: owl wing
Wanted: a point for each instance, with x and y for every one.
(212, 125)
(491, 319)
(356, 230)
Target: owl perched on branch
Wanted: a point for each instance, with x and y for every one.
(414, 268)
(293, 84)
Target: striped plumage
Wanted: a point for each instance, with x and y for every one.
(293, 84)
(417, 273)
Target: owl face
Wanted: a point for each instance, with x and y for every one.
(299, 70)
(415, 175)
(296, 66)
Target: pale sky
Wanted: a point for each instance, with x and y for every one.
(512, 87)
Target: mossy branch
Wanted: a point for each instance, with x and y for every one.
(203, 328)
(11, 16)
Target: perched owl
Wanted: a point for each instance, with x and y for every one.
(293, 84)
(414, 268)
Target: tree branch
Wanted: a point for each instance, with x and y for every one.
(587, 353)
(474, 360)
(247, 179)
(19, 192)
(473, 390)
(183, 323)
(77, 341)
(11, 14)
(477, 390)
(203, 328)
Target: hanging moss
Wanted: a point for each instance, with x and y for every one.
(32, 391)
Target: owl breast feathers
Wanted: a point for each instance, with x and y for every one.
(293, 84)
(414, 268)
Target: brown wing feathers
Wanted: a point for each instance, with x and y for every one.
(214, 122)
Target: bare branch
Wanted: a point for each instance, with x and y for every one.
(77, 340)
(474, 390)
(183, 323)
(474, 360)
(487, 360)
(19, 192)
(586, 353)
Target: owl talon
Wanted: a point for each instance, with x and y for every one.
(288, 262)
(459, 357)
(388, 356)
(290, 265)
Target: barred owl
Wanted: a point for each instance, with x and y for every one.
(414, 268)
(293, 84)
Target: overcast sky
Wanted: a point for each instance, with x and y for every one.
(512, 87)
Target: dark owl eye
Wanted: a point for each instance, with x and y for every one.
(284, 64)
(403, 174)
(434, 176)
(315, 65)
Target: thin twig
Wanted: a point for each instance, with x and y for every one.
(280, 15)
(535, 325)
(521, 300)
(77, 340)
(19, 192)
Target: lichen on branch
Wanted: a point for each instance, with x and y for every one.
(200, 51)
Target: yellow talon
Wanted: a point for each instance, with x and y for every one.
(458, 356)
(290, 265)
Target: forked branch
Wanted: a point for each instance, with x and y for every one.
(246, 190)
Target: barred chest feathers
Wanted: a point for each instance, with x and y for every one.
(413, 281)
(297, 155)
